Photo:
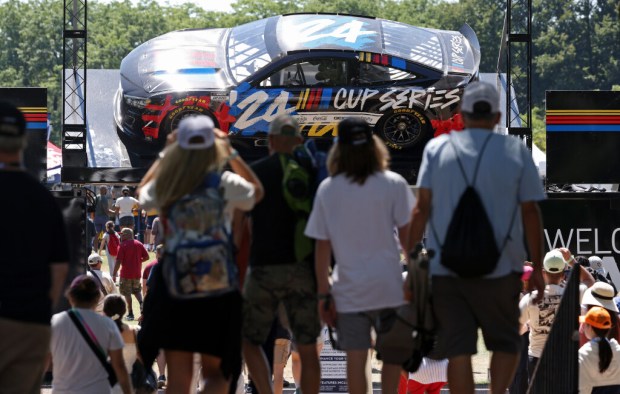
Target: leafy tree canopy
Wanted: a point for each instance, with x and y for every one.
(575, 44)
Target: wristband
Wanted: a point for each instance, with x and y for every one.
(234, 154)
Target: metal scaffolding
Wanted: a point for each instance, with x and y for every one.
(515, 68)
(74, 85)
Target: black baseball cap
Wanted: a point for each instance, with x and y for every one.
(12, 122)
(354, 131)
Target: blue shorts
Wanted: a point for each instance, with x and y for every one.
(149, 221)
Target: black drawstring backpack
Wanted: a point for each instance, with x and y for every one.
(469, 248)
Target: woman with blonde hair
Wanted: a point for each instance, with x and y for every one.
(187, 163)
(355, 213)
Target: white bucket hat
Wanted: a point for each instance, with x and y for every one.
(600, 294)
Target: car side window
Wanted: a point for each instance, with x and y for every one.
(370, 74)
(319, 72)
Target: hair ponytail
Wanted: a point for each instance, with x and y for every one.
(604, 348)
(114, 307)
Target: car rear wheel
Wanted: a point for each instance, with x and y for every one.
(403, 128)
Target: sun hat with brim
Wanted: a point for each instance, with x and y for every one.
(600, 294)
(597, 317)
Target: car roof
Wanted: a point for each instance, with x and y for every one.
(298, 32)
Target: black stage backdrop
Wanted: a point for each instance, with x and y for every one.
(583, 136)
(33, 104)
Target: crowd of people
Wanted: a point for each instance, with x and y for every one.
(310, 251)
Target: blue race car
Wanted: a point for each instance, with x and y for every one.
(406, 81)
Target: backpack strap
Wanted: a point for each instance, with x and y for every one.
(98, 280)
(458, 160)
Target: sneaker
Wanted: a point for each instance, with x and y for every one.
(161, 381)
(129, 316)
(285, 383)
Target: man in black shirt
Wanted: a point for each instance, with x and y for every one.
(276, 275)
(31, 277)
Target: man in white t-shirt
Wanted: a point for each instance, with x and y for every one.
(105, 281)
(540, 316)
(123, 207)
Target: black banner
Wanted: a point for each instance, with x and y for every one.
(587, 225)
(583, 136)
(33, 104)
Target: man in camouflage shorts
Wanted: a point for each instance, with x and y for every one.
(275, 275)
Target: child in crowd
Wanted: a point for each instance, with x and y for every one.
(599, 359)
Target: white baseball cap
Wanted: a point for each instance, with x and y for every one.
(94, 259)
(554, 262)
(480, 92)
(196, 132)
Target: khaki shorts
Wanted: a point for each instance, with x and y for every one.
(128, 287)
(294, 287)
(23, 347)
(462, 306)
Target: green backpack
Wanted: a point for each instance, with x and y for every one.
(298, 191)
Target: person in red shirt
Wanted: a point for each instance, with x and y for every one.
(131, 255)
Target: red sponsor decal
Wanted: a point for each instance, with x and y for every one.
(224, 119)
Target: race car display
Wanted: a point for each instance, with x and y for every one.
(406, 81)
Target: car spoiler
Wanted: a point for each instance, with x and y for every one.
(469, 33)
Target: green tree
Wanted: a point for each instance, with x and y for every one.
(31, 53)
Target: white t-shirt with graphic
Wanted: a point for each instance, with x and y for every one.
(77, 369)
(540, 317)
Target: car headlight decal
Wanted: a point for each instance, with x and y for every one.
(137, 102)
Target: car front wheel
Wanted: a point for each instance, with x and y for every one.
(403, 128)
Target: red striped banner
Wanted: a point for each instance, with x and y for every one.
(583, 119)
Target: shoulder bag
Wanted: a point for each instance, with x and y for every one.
(91, 340)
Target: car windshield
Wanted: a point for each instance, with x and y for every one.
(247, 51)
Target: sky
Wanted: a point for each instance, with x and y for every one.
(209, 5)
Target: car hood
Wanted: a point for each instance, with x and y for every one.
(186, 58)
